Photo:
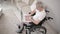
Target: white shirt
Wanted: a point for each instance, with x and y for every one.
(40, 15)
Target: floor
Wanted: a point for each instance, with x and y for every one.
(9, 20)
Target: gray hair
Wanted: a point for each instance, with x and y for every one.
(39, 4)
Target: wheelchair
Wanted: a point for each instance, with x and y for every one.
(39, 29)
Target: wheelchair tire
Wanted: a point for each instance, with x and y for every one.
(39, 30)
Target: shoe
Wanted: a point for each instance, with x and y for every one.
(18, 26)
(19, 31)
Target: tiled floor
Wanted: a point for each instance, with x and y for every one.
(8, 20)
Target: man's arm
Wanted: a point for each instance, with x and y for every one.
(35, 21)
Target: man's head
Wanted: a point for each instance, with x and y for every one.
(39, 5)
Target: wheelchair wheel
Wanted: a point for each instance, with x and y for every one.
(39, 30)
(42, 30)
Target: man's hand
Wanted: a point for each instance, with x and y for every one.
(28, 18)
